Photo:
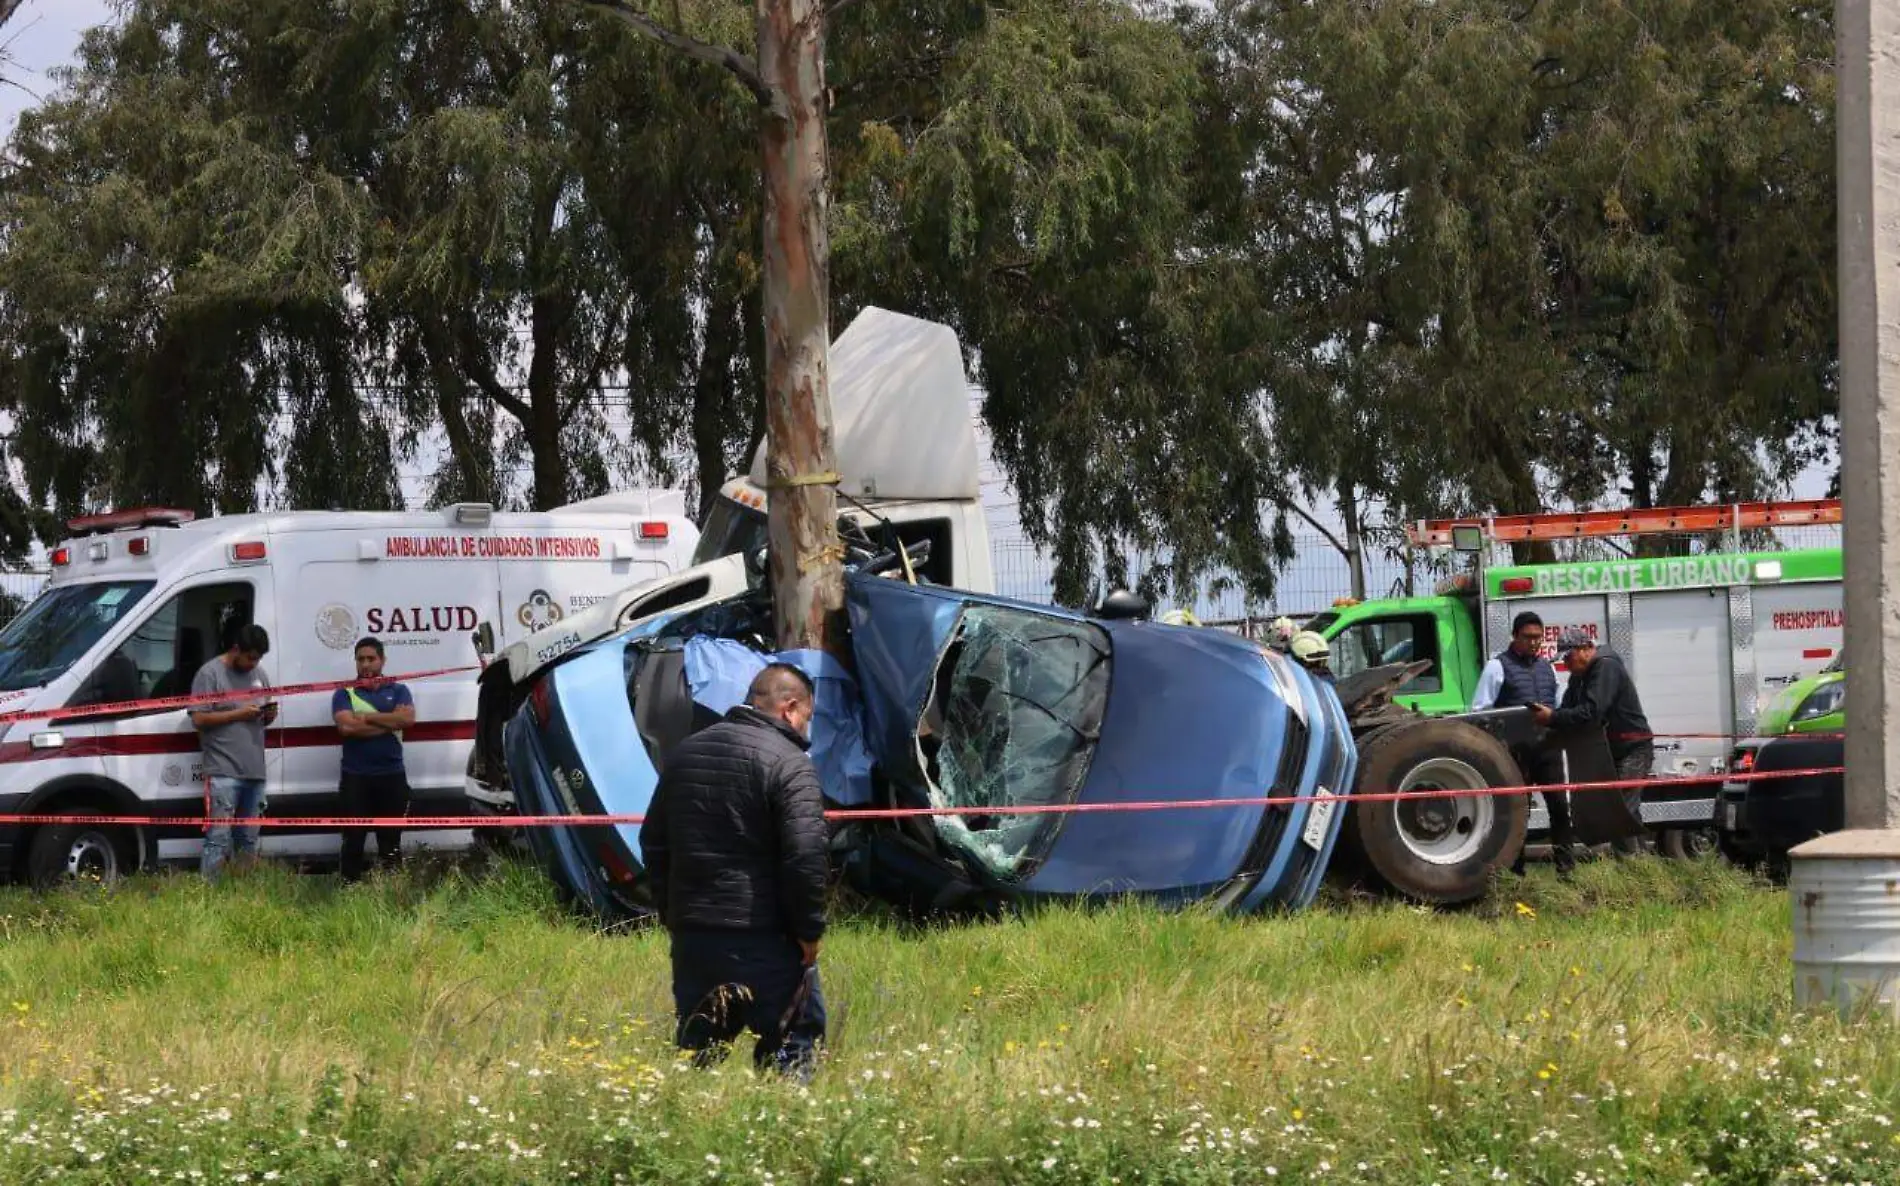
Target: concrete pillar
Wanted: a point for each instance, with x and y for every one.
(1846, 887)
(1868, 153)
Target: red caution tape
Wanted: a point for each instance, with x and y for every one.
(164, 703)
(420, 822)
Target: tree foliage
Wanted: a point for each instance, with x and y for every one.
(1214, 266)
(1575, 251)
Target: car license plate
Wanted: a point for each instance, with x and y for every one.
(1319, 818)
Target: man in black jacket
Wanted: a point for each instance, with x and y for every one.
(1602, 693)
(735, 851)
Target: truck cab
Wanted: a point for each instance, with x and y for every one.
(1441, 630)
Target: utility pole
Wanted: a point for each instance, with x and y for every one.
(1846, 943)
(787, 77)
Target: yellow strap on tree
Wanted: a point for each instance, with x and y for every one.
(828, 478)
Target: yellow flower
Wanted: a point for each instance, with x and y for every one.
(1299, 1114)
(1543, 1074)
(1009, 1048)
(22, 1006)
(1469, 968)
(1525, 911)
(1063, 1028)
(1576, 971)
(976, 990)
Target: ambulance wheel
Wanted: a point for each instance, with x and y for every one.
(87, 853)
(1686, 844)
(1440, 850)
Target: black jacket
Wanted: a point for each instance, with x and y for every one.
(735, 838)
(1606, 695)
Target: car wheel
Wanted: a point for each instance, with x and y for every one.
(1441, 850)
(84, 853)
(1686, 844)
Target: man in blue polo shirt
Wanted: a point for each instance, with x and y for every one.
(371, 717)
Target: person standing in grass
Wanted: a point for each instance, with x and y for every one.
(734, 844)
(1602, 694)
(371, 717)
(231, 738)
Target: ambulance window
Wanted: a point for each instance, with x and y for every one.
(1365, 645)
(57, 630)
(169, 647)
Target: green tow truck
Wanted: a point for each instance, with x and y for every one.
(1712, 640)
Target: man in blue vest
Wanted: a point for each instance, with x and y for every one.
(371, 717)
(1520, 677)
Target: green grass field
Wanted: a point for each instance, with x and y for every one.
(1632, 1025)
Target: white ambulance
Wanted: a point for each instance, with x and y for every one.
(141, 599)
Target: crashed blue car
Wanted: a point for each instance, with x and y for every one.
(959, 700)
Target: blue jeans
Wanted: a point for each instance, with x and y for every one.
(727, 982)
(231, 798)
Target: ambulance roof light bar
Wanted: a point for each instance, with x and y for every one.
(1470, 535)
(129, 519)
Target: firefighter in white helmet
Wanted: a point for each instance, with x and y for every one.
(1280, 634)
(1312, 653)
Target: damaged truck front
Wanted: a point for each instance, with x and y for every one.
(910, 463)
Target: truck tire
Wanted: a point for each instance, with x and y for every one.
(1440, 851)
(1686, 844)
(83, 853)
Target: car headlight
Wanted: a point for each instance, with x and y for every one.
(1823, 700)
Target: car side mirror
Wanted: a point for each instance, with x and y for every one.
(757, 563)
(484, 640)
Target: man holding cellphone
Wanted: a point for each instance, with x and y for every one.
(231, 737)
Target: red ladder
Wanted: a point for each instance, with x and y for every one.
(1739, 516)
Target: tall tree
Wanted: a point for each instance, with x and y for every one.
(1580, 251)
(787, 78)
(340, 228)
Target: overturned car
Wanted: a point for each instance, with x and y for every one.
(976, 704)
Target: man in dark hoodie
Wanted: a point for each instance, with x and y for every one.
(1602, 693)
(735, 851)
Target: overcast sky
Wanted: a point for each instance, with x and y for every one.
(42, 35)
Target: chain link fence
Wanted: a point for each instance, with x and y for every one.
(17, 589)
(1317, 576)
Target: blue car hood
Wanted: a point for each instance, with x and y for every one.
(1191, 714)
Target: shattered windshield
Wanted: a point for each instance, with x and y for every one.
(1012, 721)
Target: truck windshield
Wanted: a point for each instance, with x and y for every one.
(59, 628)
(730, 529)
